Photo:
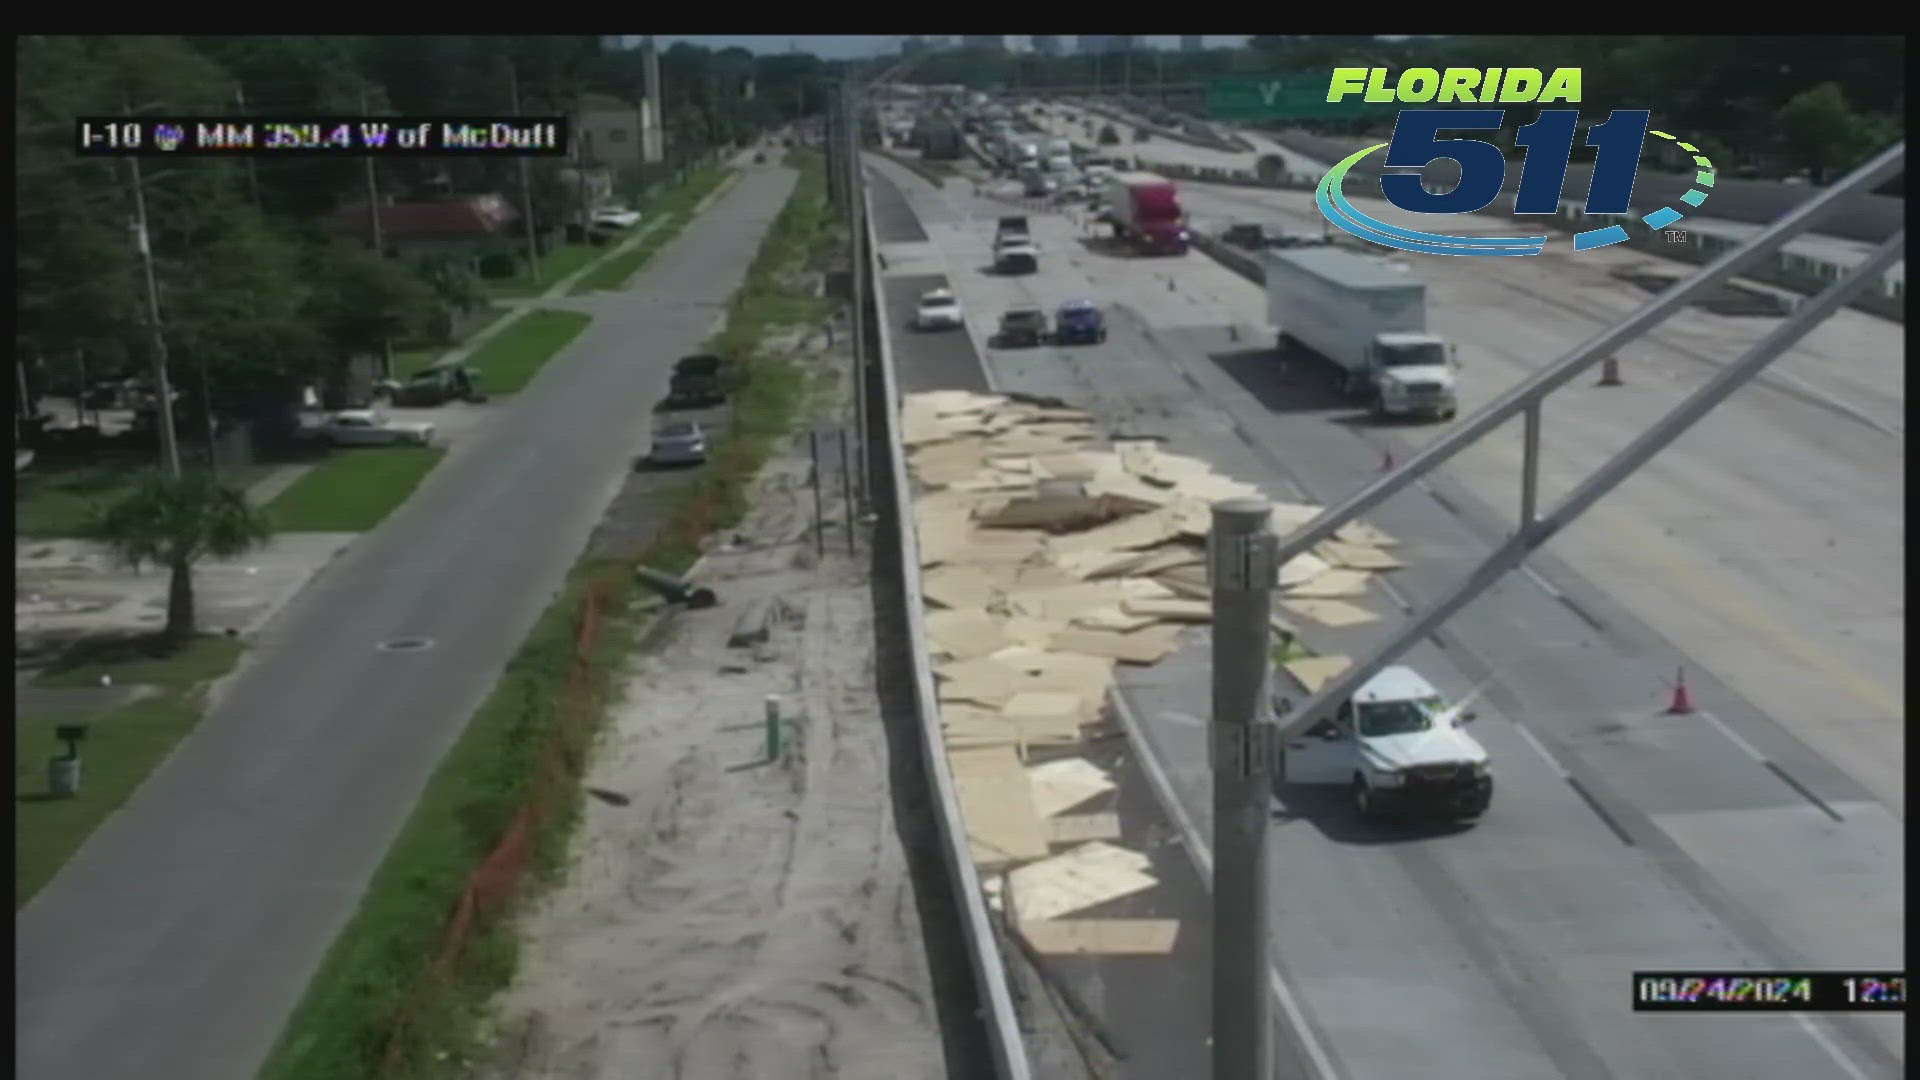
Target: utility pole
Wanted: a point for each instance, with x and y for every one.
(169, 446)
(862, 259)
(526, 187)
(1241, 554)
(374, 237)
(253, 173)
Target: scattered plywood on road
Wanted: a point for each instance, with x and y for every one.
(1061, 785)
(1314, 672)
(1101, 937)
(996, 803)
(1187, 581)
(1091, 874)
(1139, 531)
(1301, 569)
(1359, 532)
(1170, 557)
(1034, 633)
(982, 680)
(1287, 517)
(1357, 556)
(1079, 828)
(1175, 609)
(959, 587)
(1144, 646)
(1330, 612)
(966, 633)
(1329, 584)
(1116, 619)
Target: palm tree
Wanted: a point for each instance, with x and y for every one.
(175, 521)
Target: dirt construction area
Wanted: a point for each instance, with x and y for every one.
(728, 915)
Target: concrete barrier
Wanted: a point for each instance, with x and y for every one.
(983, 944)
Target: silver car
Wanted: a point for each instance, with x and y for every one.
(678, 443)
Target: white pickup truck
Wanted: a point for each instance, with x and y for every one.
(1396, 746)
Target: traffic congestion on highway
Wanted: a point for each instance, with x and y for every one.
(1692, 742)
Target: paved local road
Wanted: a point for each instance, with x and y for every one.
(178, 940)
(1620, 838)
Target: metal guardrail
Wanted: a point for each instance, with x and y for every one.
(983, 945)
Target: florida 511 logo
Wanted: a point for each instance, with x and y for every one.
(1547, 141)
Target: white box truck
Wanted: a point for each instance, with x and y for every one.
(1369, 318)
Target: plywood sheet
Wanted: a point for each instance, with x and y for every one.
(1088, 565)
(1139, 531)
(1301, 569)
(1357, 556)
(959, 587)
(1145, 646)
(966, 633)
(1034, 633)
(1064, 784)
(981, 680)
(1091, 874)
(1102, 937)
(1176, 609)
(1115, 618)
(1213, 487)
(1188, 581)
(996, 802)
(1079, 828)
(1067, 466)
(1332, 583)
(1125, 485)
(1042, 705)
(1359, 532)
(1169, 557)
(1087, 677)
(1286, 517)
(1315, 671)
(1330, 612)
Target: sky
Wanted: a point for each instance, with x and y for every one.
(848, 46)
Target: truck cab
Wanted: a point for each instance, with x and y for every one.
(1413, 375)
(1399, 748)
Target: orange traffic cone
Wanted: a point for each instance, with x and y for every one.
(1682, 701)
(1609, 372)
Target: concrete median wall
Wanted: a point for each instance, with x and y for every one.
(1009, 1050)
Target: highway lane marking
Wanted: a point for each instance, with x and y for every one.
(1768, 764)
(1820, 1039)
(1203, 854)
(1541, 749)
(1627, 533)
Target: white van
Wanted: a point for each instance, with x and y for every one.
(1396, 746)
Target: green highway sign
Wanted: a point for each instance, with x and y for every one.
(1296, 96)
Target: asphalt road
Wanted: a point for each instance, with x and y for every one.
(180, 937)
(1620, 839)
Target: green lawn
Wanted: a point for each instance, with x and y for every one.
(554, 265)
(58, 494)
(145, 659)
(408, 361)
(353, 489)
(510, 359)
(123, 744)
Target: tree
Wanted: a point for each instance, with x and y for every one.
(174, 522)
(1819, 132)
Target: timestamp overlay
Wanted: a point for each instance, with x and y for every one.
(1770, 991)
(264, 136)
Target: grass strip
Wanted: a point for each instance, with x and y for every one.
(411, 361)
(341, 1027)
(61, 492)
(125, 738)
(556, 265)
(510, 359)
(353, 489)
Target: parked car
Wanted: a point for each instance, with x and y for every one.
(693, 390)
(939, 310)
(698, 364)
(1079, 321)
(614, 217)
(1249, 236)
(370, 427)
(1023, 326)
(681, 442)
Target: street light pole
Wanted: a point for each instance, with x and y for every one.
(1241, 554)
(169, 445)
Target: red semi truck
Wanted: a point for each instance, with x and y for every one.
(1145, 211)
